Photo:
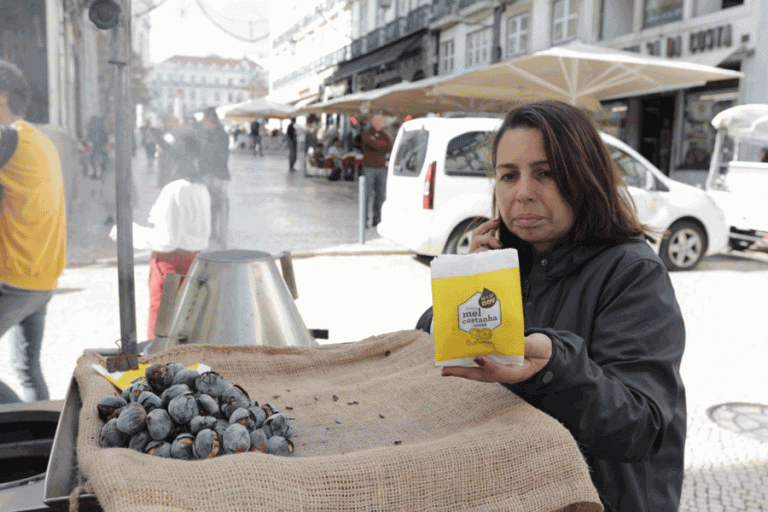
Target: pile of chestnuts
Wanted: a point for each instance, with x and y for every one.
(177, 412)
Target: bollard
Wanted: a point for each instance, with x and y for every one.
(362, 206)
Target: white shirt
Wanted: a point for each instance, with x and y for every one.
(181, 219)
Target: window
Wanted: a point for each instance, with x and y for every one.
(633, 172)
(467, 155)
(698, 132)
(446, 57)
(616, 17)
(517, 34)
(402, 7)
(479, 48)
(565, 17)
(363, 18)
(379, 16)
(701, 7)
(411, 152)
(660, 12)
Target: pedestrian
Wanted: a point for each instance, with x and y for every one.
(334, 156)
(148, 143)
(604, 332)
(214, 166)
(376, 145)
(98, 139)
(180, 220)
(256, 137)
(33, 230)
(290, 135)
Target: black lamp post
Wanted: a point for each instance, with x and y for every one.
(109, 15)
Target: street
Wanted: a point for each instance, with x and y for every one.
(358, 290)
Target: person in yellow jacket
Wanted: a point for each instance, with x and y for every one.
(33, 231)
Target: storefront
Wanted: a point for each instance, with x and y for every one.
(672, 128)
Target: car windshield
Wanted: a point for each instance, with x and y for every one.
(467, 154)
(411, 152)
(631, 170)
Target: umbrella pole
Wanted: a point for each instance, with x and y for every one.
(120, 58)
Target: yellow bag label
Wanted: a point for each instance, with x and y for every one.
(478, 308)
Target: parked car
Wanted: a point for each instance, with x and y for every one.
(438, 190)
(738, 174)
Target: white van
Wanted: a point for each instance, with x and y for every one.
(737, 180)
(438, 191)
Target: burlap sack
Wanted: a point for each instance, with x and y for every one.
(376, 428)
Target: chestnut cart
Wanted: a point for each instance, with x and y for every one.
(375, 428)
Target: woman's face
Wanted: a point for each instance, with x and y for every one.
(529, 201)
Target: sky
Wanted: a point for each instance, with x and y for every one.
(180, 27)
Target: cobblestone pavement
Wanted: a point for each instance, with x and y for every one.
(356, 291)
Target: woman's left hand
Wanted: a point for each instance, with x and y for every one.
(538, 351)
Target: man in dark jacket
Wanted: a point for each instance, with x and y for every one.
(290, 135)
(376, 145)
(214, 158)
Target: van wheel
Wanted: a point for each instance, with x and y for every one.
(683, 245)
(461, 237)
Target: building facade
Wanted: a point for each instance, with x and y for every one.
(389, 41)
(673, 129)
(311, 39)
(194, 83)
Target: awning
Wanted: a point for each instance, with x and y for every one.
(376, 57)
(306, 100)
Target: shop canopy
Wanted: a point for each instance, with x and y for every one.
(581, 74)
(414, 98)
(255, 109)
(576, 73)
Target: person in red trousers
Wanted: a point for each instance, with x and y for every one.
(180, 221)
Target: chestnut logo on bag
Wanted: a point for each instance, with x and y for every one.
(479, 316)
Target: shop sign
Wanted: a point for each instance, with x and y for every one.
(696, 42)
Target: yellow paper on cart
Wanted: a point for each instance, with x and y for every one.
(477, 308)
(122, 379)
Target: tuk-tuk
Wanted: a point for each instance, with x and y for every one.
(738, 173)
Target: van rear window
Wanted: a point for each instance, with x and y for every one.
(468, 154)
(411, 152)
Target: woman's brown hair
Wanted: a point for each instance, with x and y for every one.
(583, 170)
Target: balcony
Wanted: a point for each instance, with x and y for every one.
(395, 30)
(358, 47)
(374, 39)
(418, 19)
(445, 8)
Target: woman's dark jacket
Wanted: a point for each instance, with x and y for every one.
(614, 377)
(214, 153)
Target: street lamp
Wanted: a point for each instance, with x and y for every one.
(105, 14)
(108, 15)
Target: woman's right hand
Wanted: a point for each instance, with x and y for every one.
(485, 237)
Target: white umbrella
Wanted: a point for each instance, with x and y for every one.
(415, 98)
(579, 74)
(254, 109)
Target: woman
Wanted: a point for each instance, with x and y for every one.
(604, 333)
(180, 218)
(214, 165)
